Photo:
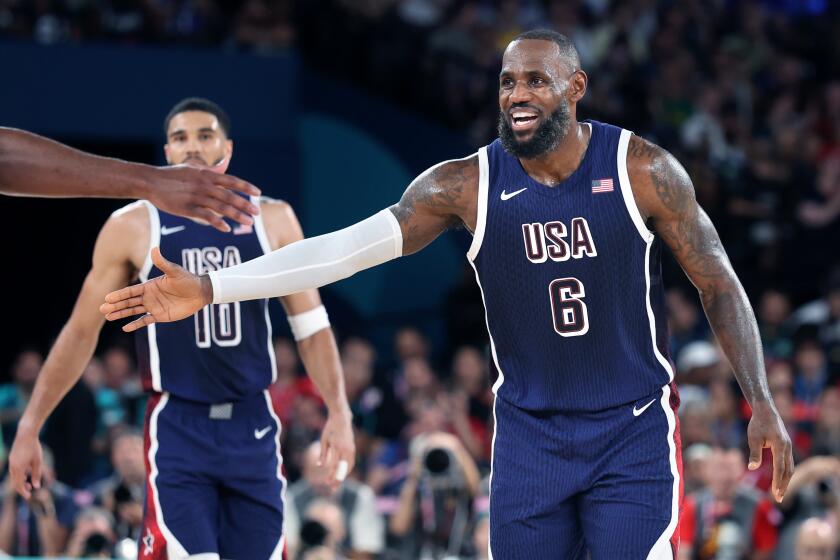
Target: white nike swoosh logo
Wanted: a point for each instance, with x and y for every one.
(506, 196)
(638, 411)
(168, 230)
(259, 434)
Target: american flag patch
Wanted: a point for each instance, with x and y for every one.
(242, 229)
(602, 185)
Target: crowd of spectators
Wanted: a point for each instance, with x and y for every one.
(424, 424)
(746, 94)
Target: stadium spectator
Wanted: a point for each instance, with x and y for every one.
(121, 375)
(15, 395)
(363, 530)
(322, 531)
(93, 534)
(776, 334)
(811, 373)
(814, 491)
(290, 383)
(817, 540)
(435, 503)
(827, 430)
(727, 520)
(122, 493)
(41, 526)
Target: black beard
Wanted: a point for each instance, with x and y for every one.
(545, 139)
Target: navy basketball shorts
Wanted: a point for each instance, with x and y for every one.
(214, 488)
(602, 485)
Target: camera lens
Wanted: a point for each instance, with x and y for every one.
(313, 533)
(96, 543)
(437, 461)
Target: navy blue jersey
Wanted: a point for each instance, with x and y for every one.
(224, 352)
(571, 281)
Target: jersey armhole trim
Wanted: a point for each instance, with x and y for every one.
(154, 239)
(262, 237)
(627, 190)
(481, 213)
(259, 225)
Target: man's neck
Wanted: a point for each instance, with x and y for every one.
(555, 166)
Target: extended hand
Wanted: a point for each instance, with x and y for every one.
(337, 444)
(205, 194)
(171, 297)
(766, 429)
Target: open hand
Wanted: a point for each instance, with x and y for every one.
(171, 297)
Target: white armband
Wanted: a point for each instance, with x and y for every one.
(309, 322)
(311, 263)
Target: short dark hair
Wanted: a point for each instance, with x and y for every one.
(567, 47)
(198, 104)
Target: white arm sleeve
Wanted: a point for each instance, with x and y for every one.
(311, 263)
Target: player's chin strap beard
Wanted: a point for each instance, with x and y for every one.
(196, 158)
(549, 133)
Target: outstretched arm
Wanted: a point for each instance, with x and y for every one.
(665, 197)
(36, 166)
(436, 200)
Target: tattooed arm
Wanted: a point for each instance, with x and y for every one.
(436, 200)
(665, 197)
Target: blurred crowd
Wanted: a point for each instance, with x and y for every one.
(424, 423)
(745, 93)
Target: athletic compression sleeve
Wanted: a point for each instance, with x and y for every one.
(311, 263)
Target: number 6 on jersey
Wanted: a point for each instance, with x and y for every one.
(567, 309)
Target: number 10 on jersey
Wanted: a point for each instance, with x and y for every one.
(567, 307)
(218, 324)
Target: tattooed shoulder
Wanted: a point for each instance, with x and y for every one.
(668, 183)
(664, 193)
(640, 148)
(448, 188)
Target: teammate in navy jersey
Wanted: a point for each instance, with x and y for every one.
(568, 219)
(214, 481)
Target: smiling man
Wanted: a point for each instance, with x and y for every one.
(568, 221)
(213, 467)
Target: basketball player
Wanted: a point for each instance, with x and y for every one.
(568, 221)
(37, 166)
(213, 462)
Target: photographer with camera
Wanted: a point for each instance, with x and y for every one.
(814, 492)
(364, 528)
(93, 535)
(122, 493)
(39, 526)
(322, 531)
(433, 516)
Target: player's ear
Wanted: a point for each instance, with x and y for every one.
(228, 149)
(577, 85)
(166, 153)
